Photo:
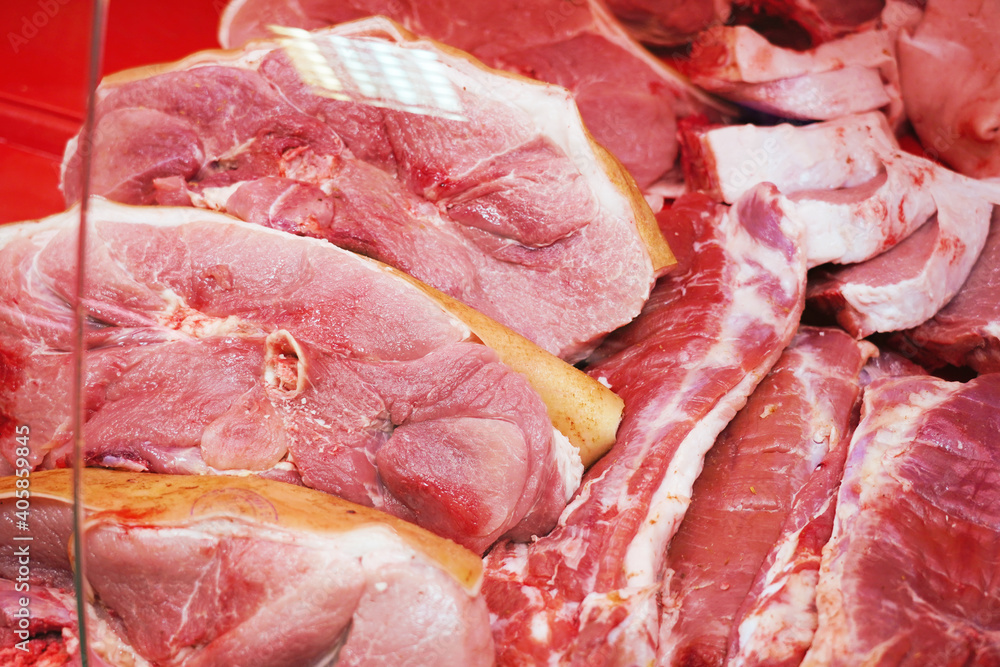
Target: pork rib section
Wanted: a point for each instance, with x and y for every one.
(210, 571)
(514, 211)
(216, 345)
(587, 593)
(745, 560)
(910, 575)
(628, 99)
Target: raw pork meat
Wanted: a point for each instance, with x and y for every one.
(514, 211)
(746, 558)
(854, 74)
(822, 19)
(240, 571)
(912, 281)
(966, 332)
(587, 593)
(669, 22)
(949, 68)
(847, 180)
(629, 99)
(862, 199)
(911, 574)
(216, 345)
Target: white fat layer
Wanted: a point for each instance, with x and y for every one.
(177, 315)
(962, 224)
(779, 630)
(847, 232)
(374, 545)
(105, 642)
(568, 463)
(834, 154)
(214, 198)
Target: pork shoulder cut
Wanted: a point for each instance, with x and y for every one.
(628, 99)
(199, 571)
(514, 210)
(218, 346)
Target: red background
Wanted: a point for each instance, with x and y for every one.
(44, 52)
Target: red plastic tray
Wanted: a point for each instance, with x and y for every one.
(45, 46)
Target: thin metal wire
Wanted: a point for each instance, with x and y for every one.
(97, 28)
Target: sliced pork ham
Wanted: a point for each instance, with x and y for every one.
(910, 575)
(218, 346)
(966, 332)
(949, 66)
(587, 593)
(240, 571)
(745, 560)
(629, 99)
(854, 74)
(514, 210)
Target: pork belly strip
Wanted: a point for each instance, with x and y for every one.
(910, 575)
(514, 210)
(966, 332)
(761, 511)
(851, 75)
(628, 99)
(587, 593)
(215, 345)
(188, 571)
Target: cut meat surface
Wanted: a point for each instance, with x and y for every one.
(966, 332)
(514, 211)
(587, 593)
(919, 489)
(910, 229)
(746, 557)
(629, 99)
(949, 67)
(912, 281)
(851, 75)
(822, 19)
(222, 346)
(848, 181)
(669, 23)
(215, 571)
